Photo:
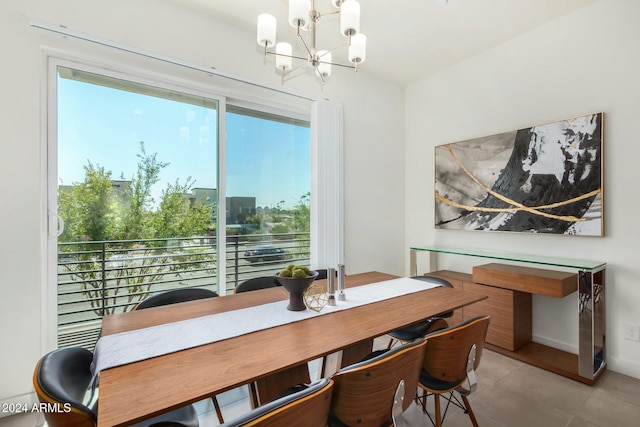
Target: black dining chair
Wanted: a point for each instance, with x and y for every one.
(63, 378)
(176, 296)
(322, 273)
(256, 283)
(423, 327)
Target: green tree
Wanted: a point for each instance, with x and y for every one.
(176, 215)
(89, 208)
(136, 223)
(94, 212)
(302, 214)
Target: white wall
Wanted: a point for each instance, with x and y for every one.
(373, 123)
(581, 63)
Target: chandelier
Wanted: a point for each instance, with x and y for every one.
(304, 17)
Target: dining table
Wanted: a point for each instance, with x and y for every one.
(132, 392)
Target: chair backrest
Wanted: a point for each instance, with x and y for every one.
(175, 296)
(257, 283)
(364, 392)
(448, 349)
(308, 407)
(322, 273)
(61, 380)
(435, 280)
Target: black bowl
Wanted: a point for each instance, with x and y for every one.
(296, 288)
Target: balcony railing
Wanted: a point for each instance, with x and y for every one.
(100, 278)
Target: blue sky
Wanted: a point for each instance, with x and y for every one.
(266, 159)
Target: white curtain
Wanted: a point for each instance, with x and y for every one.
(327, 195)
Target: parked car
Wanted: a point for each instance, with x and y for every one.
(264, 253)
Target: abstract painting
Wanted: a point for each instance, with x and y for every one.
(541, 179)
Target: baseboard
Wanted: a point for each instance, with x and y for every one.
(18, 404)
(624, 367)
(560, 345)
(621, 366)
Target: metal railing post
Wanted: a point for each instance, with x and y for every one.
(236, 260)
(104, 278)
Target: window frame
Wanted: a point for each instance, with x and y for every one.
(325, 121)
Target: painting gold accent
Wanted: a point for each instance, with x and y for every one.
(517, 206)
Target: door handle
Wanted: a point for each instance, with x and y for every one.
(55, 223)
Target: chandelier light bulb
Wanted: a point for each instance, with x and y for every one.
(283, 56)
(266, 30)
(299, 13)
(358, 48)
(337, 3)
(350, 17)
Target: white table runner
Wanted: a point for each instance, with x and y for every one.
(140, 344)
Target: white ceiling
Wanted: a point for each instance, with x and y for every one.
(406, 39)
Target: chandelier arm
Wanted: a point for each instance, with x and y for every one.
(319, 74)
(288, 56)
(353, 67)
(295, 69)
(337, 47)
(304, 43)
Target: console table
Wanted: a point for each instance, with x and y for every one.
(509, 285)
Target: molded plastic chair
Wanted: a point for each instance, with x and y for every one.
(256, 283)
(375, 392)
(308, 407)
(63, 378)
(426, 326)
(451, 359)
(176, 296)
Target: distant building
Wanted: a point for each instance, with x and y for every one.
(239, 209)
(122, 189)
(206, 196)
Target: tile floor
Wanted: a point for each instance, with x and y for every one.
(509, 394)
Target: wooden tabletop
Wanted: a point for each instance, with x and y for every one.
(132, 392)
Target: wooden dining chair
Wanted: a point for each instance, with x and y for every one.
(426, 326)
(62, 380)
(450, 361)
(308, 407)
(176, 296)
(376, 391)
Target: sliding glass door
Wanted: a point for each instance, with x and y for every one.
(156, 187)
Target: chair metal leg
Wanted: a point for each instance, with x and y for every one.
(423, 401)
